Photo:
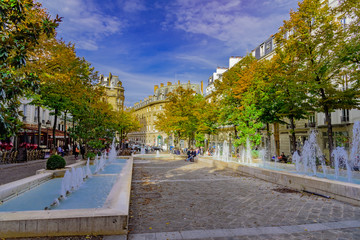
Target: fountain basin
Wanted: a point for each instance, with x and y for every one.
(110, 219)
(342, 191)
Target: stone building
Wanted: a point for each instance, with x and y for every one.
(114, 91)
(146, 111)
(29, 133)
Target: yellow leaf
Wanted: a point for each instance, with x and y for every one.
(150, 227)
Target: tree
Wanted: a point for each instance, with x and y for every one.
(314, 34)
(349, 52)
(225, 95)
(180, 115)
(19, 33)
(291, 92)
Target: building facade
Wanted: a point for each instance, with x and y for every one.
(146, 110)
(342, 119)
(30, 133)
(114, 91)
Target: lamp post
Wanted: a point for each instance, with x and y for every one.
(48, 123)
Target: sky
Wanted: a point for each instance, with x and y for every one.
(148, 42)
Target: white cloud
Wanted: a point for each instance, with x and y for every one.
(230, 21)
(134, 6)
(83, 22)
(197, 59)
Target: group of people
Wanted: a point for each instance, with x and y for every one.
(191, 154)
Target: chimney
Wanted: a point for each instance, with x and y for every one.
(202, 87)
(169, 83)
(161, 84)
(155, 88)
(109, 79)
(179, 82)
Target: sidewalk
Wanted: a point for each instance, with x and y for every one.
(180, 200)
(17, 171)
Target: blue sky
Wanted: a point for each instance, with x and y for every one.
(148, 42)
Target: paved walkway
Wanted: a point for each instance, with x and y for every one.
(17, 171)
(173, 199)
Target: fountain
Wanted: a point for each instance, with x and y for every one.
(88, 171)
(263, 155)
(112, 153)
(157, 153)
(142, 150)
(341, 160)
(354, 160)
(248, 157)
(311, 156)
(40, 197)
(225, 152)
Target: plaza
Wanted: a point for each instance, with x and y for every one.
(174, 199)
(268, 149)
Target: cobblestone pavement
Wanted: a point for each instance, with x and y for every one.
(17, 171)
(174, 199)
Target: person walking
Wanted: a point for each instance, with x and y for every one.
(82, 151)
(76, 151)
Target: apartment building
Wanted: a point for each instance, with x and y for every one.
(146, 111)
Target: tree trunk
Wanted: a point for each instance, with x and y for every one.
(330, 133)
(293, 137)
(277, 138)
(268, 139)
(65, 131)
(54, 127)
(39, 126)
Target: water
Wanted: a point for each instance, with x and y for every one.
(263, 155)
(341, 161)
(225, 152)
(112, 153)
(307, 161)
(354, 159)
(248, 156)
(142, 150)
(157, 153)
(76, 188)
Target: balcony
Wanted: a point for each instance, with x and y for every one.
(310, 124)
(345, 118)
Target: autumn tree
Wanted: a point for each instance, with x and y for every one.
(314, 34)
(19, 34)
(224, 94)
(291, 94)
(180, 115)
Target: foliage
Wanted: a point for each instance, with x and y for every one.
(90, 155)
(314, 35)
(55, 162)
(200, 139)
(19, 34)
(181, 115)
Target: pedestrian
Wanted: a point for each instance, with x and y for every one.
(76, 151)
(82, 151)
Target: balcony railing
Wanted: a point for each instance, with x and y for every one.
(310, 124)
(344, 118)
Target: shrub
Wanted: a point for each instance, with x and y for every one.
(55, 162)
(90, 155)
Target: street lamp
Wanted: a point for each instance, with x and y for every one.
(48, 123)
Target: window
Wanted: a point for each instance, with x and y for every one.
(345, 115)
(36, 115)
